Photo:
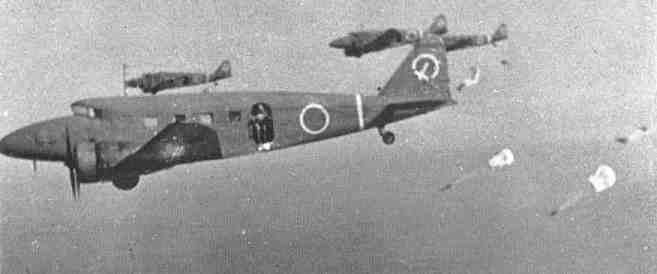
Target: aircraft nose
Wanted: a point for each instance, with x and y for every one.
(40, 141)
(16, 144)
(343, 42)
(4, 145)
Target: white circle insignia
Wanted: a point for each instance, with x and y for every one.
(302, 115)
(422, 74)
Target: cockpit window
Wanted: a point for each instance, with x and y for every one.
(204, 118)
(79, 110)
(234, 115)
(150, 122)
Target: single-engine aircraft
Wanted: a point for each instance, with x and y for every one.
(158, 81)
(358, 43)
(119, 139)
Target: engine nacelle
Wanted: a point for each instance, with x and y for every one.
(95, 160)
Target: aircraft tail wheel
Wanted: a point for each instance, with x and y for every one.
(388, 137)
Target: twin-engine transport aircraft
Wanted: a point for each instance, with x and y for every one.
(119, 139)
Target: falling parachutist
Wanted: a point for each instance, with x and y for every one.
(603, 178)
(473, 80)
(501, 159)
(461, 179)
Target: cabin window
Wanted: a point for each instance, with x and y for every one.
(179, 118)
(234, 115)
(79, 110)
(203, 118)
(150, 122)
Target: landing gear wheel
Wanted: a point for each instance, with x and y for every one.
(388, 137)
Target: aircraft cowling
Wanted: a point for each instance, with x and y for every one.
(94, 160)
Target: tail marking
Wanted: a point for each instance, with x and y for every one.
(431, 63)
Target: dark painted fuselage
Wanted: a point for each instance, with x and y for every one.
(126, 124)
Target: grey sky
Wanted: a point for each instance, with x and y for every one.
(581, 73)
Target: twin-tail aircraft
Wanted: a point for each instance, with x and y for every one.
(158, 81)
(119, 139)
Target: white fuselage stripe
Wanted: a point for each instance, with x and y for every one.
(359, 108)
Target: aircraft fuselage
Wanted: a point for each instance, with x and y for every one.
(111, 129)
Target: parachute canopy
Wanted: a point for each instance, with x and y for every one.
(473, 80)
(502, 158)
(603, 178)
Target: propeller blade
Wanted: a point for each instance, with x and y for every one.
(77, 186)
(73, 177)
(69, 153)
(70, 163)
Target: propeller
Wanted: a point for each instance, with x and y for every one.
(71, 164)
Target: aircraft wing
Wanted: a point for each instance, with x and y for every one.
(177, 143)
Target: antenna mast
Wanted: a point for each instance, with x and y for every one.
(125, 89)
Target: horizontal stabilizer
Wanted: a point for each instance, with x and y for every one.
(439, 25)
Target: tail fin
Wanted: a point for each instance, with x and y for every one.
(501, 33)
(423, 73)
(439, 25)
(222, 72)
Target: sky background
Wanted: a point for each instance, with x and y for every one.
(580, 74)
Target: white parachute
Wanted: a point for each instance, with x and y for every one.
(501, 159)
(603, 178)
(475, 72)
